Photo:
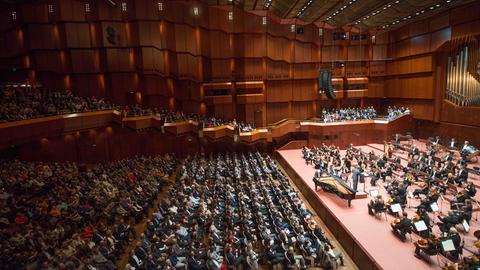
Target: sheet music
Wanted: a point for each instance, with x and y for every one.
(434, 207)
(374, 192)
(447, 245)
(465, 225)
(420, 226)
(396, 208)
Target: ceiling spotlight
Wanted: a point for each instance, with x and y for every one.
(396, 2)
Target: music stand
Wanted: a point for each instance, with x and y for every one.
(465, 226)
(420, 226)
(447, 245)
(373, 193)
(396, 208)
(410, 196)
(434, 207)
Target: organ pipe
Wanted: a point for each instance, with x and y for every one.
(462, 78)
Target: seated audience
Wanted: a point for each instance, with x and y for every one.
(21, 103)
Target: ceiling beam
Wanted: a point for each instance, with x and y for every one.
(360, 18)
(290, 9)
(328, 11)
(255, 5)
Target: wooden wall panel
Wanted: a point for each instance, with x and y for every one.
(410, 66)
(379, 52)
(303, 52)
(41, 36)
(153, 60)
(49, 61)
(376, 87)
(149, 34)
(35, 12)
(84, 61)
(146, 9)
(155, 85)
(278, 70)
(279, 49)
(279, 91)
(221, 70)
(420, 87)
(305, 71)
(71, 10)
(119, 60)
(12, 43)
(304, 90)
(220, 45)
(278, 111)
(334, 53)
(121, 84)
(358, 52)
(77, 35)
(249, 69)
(438, 38)
(302, 110)
(88, 85)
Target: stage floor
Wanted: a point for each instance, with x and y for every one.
(372, 234)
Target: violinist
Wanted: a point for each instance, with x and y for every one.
(459, 200)
(452, 143)
(462, 175)
(470, 189)
(376, 205)
(402, 226)
(423, 189)
(387, 172)
(430, 246)
(414, 152)
(422, 214)
(457, 241)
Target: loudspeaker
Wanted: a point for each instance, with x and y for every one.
(325, 83)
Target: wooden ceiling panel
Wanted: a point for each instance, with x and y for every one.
(364, 14)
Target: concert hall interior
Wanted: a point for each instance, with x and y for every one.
(239, 134)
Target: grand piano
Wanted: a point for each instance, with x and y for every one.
(335, 184)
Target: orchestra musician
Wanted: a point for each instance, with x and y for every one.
(375, 176)
(462, 175)
(402, 226)
(436, 141)
(430, 246)
(376, 205)
(414, 152)
(452, 143)
(422, 214)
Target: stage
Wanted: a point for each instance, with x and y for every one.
(368, 240)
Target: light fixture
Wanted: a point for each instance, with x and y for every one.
(230, 15)
(195, 11)
(160, 6)
(264, 20)
(14, 15)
